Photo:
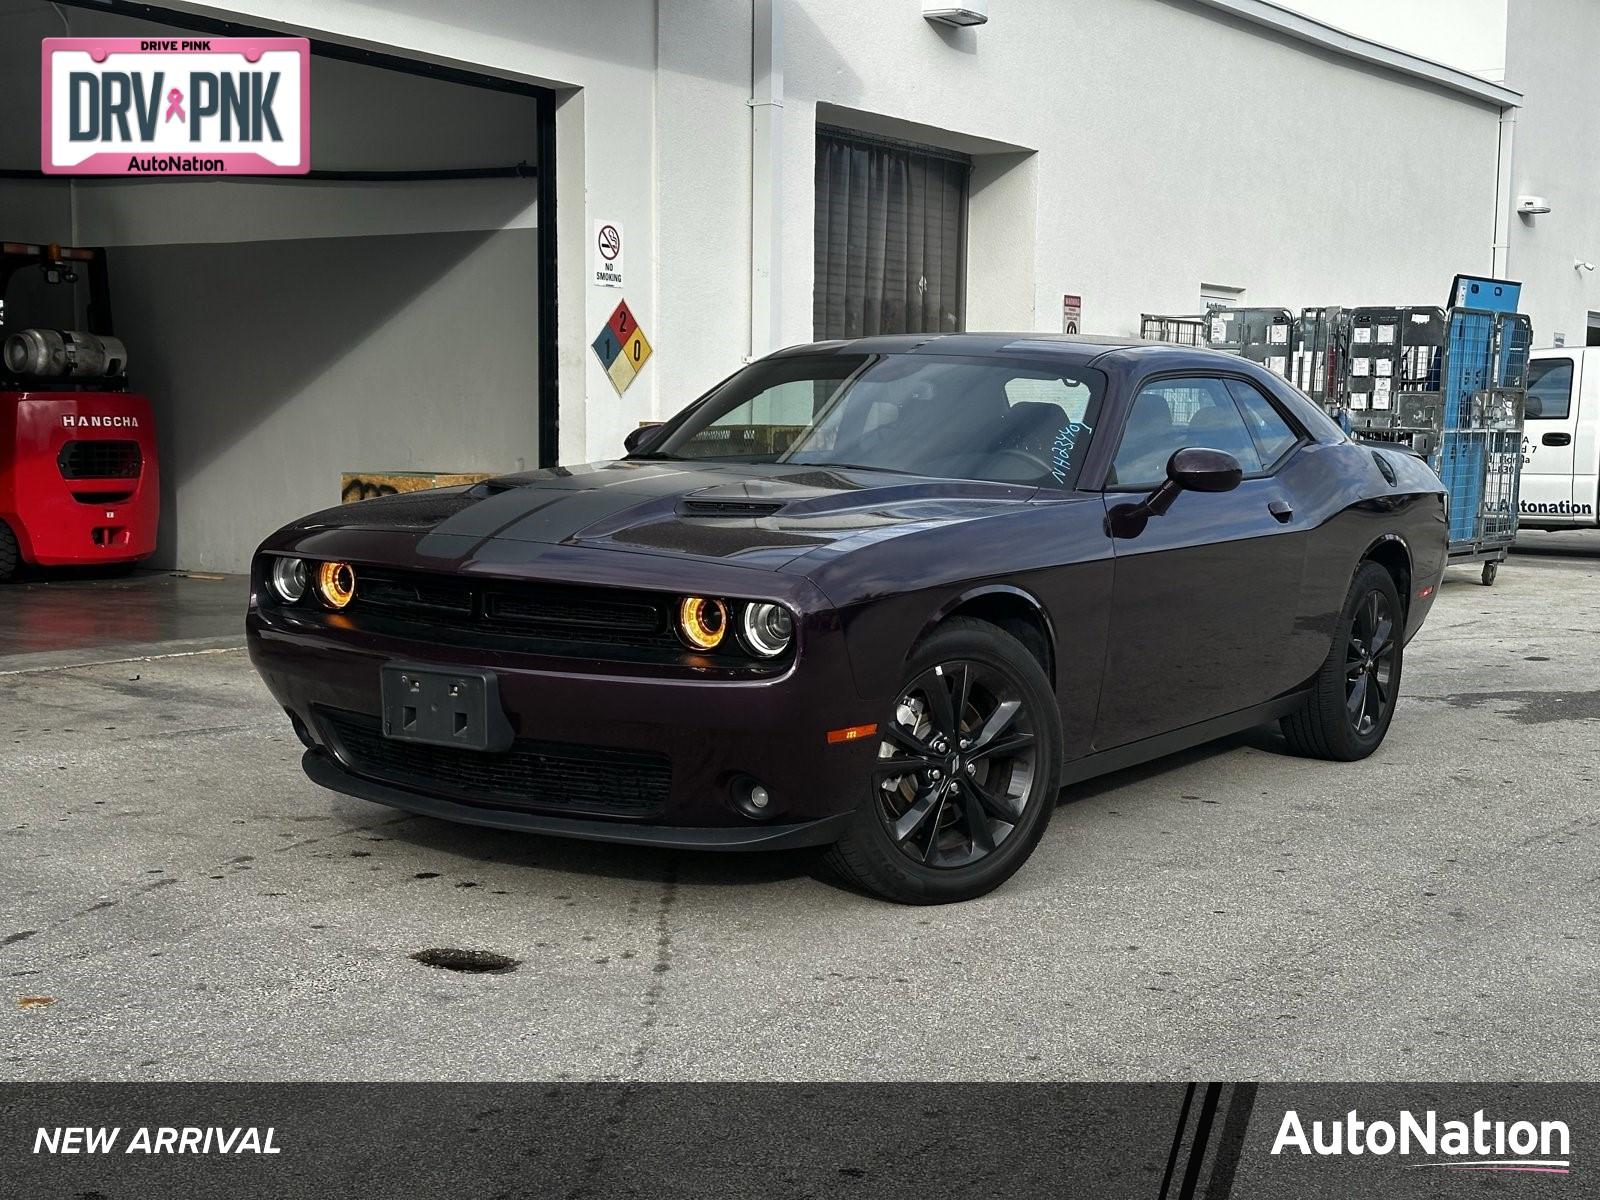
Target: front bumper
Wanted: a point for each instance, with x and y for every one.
(321, 768)
(710, 733)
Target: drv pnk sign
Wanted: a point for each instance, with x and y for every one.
(176, 106)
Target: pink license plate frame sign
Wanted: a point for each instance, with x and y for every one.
(168, 106)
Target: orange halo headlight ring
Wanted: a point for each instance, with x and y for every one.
(702, 622)
(336, 583)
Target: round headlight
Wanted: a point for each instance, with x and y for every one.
(766, 629)
(289, 578)
(702, 622)
(336, 583)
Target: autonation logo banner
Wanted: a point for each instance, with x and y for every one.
(1480, 1143)
(176, 106)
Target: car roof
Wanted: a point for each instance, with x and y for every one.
(1072, 350)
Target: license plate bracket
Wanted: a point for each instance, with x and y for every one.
(457, 708)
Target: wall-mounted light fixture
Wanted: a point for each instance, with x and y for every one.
(968, 12)
(1532, 206)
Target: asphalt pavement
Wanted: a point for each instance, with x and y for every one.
(180, 903)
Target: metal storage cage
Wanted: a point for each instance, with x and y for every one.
(1180, 331)
(1260, 334)
(1447, 384)
(1485, 377)
(1463, 380)
(1321, 343)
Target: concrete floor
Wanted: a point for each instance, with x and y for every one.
(192, 908)
(76, 618)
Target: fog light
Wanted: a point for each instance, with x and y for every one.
(703, 623)
(752, 799)
(336, 583)
(289, 579)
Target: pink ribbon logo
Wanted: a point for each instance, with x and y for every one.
(175, 105)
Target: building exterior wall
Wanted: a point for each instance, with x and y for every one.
(1552, 48)
(1127, 151)
(1142, 148)
(1174, 146)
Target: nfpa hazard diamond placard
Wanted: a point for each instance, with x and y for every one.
(622, 348)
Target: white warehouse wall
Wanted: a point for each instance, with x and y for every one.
(1553, 46)
(1156, 144)
(1128, 151)
(1175, 146)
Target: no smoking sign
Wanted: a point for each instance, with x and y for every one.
(608, 254)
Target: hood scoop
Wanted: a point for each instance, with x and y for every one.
(742, 507)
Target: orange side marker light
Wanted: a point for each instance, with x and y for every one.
(850, 733)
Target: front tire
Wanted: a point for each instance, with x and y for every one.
(968, 770)
(10, 554)
(1352, 698)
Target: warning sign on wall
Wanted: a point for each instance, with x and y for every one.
(622, 348)
(607, 249)
(1071, 314)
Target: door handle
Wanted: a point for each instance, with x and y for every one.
(1281, 509)
(1557, 439)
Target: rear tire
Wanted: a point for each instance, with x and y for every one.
(10, 554)
(1353, 697)
(963, 788)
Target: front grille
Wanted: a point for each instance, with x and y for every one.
(581, 619)
(557, 777)
(100, 460)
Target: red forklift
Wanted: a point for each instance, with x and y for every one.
(78, 475)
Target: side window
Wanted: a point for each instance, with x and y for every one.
(1550, 389)
(1272, 434)
(1170, 414)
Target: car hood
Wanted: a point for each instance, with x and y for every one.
(760, 515)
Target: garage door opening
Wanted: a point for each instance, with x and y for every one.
(891, 231)
(389, 317)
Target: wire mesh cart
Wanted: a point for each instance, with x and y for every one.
(1451, 385)
(1448, 384)
(1484, 377)
(1179, 331)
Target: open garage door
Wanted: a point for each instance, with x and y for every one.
(389, 317)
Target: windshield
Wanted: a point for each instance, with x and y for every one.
(920, 414)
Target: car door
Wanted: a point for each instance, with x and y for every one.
(1204, 597)
(1549, 431)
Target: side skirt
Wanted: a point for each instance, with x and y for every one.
(1103, 762)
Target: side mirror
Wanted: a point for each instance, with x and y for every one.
(640, 436)
(1195, 469)
(1192, 469)
(1533, 406)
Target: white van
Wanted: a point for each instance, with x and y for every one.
(1561, 440)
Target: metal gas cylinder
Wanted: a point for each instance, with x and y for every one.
(55, 353)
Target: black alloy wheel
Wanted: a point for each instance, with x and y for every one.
(956, 770)
(1369, 664)
(1352, 698)
(966, 772)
